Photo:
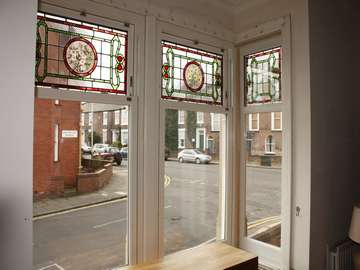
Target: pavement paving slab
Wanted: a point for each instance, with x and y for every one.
(116, 189)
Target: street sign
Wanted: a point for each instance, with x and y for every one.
(69, 134)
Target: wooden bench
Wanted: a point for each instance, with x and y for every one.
(214, 256)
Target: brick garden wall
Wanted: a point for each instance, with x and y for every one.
(49, 177)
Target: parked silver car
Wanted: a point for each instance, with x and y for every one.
(99, 148)
(193, 155)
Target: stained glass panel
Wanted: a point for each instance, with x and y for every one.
(190, 74)
(263, 77)
(77, 55)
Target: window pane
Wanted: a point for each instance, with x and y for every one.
(263, 182)
(194, 156)
(190, 74)
(80, 197)
(75, 55)
(263, 77)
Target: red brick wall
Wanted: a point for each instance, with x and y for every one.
(49, 177)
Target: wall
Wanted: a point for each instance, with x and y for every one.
(301, 138)
(334, 119)
(17, 31)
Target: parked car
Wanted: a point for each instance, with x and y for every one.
(100, 148)
(112, 154)
(124, 152)
(85, 149)
(193, 155)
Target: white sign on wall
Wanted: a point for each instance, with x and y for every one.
(69, 134)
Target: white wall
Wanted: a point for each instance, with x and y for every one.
(17, 54)
(335, 122)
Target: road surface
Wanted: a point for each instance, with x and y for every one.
(95, 238)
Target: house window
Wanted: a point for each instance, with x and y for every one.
(254, 122)
(181, 117)
(77, 55)
(215, 121)
(104, 135)
(181, 138)
(82, 123)
(124, 137)
(90, 114)
(200, 117)
(190, 74)
(276, 122)
(57, 102)
(56, 143)
(105, 118)
(117, 117)
(115, 136)
(269, 145)
(124, 117)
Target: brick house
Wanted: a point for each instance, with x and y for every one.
(56, 159)
(206, 135)
(109, 124)
(264, 138)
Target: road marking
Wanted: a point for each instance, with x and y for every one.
(109, 223)
(78, 209)
(52, 265)
(167, 180)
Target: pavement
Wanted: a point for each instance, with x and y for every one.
(116, 189)
(95, 237)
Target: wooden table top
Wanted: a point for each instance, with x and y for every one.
(214, 256)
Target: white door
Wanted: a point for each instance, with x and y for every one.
(265, 174)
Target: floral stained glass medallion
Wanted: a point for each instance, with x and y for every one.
(191, 75)
(80, 57)
(76, 55)
(263, 77)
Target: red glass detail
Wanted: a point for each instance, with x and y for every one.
(166, 75)
(120, 58)
(166, 67)
(119, 67)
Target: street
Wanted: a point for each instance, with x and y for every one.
(94, 238)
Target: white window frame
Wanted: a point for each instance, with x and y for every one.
(114, 135)
(181, 131)
(134, 100)
(117, 117)
(250, 43)
(199, 117)
(104, 135)
(269, 145)
(210, 44)
(105, 116)
(123, 132)
(214, 124)
(181, 117)
(273, 122)
(124, 116)
(82, 121)
(90, 118)
(251, 128)
(56, 142)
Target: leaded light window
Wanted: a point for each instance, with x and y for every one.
(77, 55)
(263, 77)
(191, 75)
